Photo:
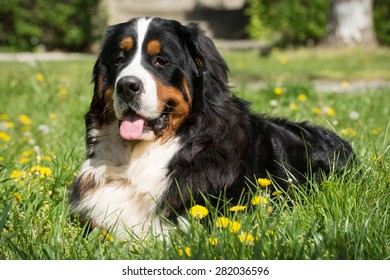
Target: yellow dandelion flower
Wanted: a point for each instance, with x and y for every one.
(330, 112)
(198, 212)
(235, 226)
(24, 160)
(213, 241)
(345, 84)
(302, 97)
(41, 171)
(257, 200)
(278, 91)
(238, 208)
(246, 238)
(376, 131)
(39, 77)
(316, 111)
(377, 158)
(63, 92)
(4, 117)
(27, 153)
(45, 172)
(46, 158)
(348, 132)
(270, 233)
(283, 60)
(187, 250)
(294, 107)
(35, 169)
(25, 120)
(5, 137)
(17, 174)
(1, 158)
(9, 124)
(276, 193)
(18, 197)
(52, 116)
(264, 182)
(107, 235)
(222, 222)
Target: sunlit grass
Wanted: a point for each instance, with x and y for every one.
(42, 146)
(306, 65)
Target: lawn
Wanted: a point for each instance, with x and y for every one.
(346, 217)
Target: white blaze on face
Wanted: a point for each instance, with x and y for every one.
(148, 100)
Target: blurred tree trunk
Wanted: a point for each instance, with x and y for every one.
(351, 23)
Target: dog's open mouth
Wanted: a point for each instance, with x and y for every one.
(132, 125)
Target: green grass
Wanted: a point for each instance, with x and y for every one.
(308, 65)
(343, 218)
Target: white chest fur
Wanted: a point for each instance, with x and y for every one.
(130, 179)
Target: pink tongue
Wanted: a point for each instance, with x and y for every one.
(131, 127)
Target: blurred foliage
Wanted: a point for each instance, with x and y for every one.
(303, 22)
(382, 20)
(74, 25)
(70, 25)
(288, 22)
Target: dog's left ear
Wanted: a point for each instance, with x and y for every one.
(206, 56)
(98, 83)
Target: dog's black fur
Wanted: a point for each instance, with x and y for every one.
(224, 144)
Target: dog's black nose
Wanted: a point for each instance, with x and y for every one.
(129, 85)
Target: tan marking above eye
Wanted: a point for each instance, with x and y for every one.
(127, 43)
(153, 47)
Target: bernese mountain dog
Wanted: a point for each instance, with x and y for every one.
(164, 132)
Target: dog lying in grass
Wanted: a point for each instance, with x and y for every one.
(163, 131)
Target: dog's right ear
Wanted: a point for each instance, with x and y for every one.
(102, 90)
(101, 103)
(99, 84)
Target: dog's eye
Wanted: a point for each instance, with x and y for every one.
(160, 61)
(119, 61)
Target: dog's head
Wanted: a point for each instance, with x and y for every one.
(151, 75)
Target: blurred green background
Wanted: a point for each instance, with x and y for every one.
(77, 25)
